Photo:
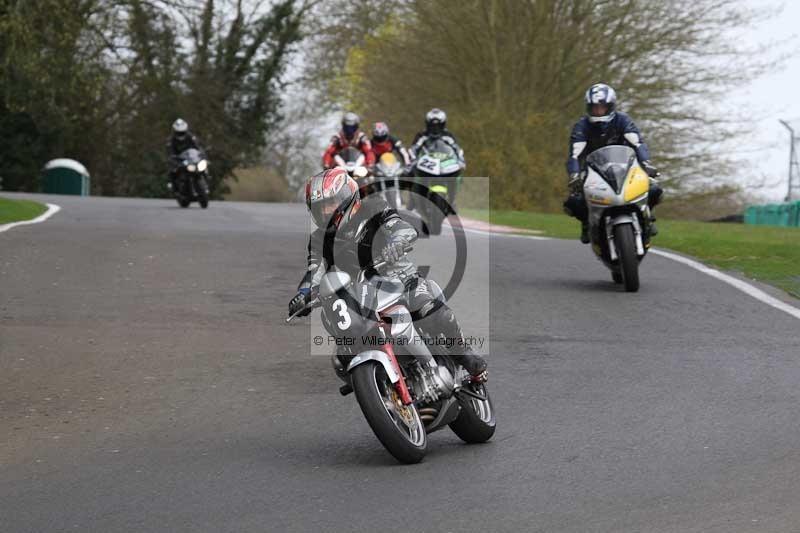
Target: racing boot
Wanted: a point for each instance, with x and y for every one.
(473, 363)
(653, 228)
(585, 232)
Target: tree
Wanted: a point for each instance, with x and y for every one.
(102, 80)
(511, 74)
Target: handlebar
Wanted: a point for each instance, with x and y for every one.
(316, 301)
(379, 264)
(310, 305)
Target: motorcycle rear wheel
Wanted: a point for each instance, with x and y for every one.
(475, 422)
(628, 261)
(398, 427)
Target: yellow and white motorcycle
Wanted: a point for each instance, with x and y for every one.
(616, 190)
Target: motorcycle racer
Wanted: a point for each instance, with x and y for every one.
(383, 142)
(602, 126)
(436, 127)
(356, 227)
(349, 135)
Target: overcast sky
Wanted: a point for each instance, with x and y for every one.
(775, 96)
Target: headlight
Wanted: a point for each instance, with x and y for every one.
(202, 165)
(191, 168)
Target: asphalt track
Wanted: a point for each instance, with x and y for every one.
(148, 382)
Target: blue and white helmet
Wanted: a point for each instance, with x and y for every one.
(602, 94)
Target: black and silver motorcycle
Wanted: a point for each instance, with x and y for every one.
(406, 386)
(191, 178)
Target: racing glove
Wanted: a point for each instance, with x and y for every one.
(575, 183)
(300, 301)
(650, 169)
(395, 249)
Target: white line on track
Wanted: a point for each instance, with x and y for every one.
(743, 286)
(510, 235)
(747, 288)
(52, 209)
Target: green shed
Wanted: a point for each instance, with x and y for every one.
(65, 176)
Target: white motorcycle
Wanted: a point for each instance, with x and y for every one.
(616, 190)
(353, 161)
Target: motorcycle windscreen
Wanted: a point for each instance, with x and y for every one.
(438, 159)
(613, 164)
(388, 164)
(192, 156)
(350, 155)
(351, 312)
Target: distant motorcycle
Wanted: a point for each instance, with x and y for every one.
(438, 169)
(616, 190)
(352, 160)
(406, 389)
(388, 171)
(191, 183)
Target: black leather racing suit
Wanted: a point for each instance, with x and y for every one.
(175, 147)
(358, 244)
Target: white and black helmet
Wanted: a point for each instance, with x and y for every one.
(435, 121)
(350, 123)
(601, 94)
(180, 128)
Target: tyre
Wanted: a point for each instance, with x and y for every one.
(628, 261)
(617, 277)
(183, 202)
(436, 223)
(202, 194)
(433, 216)
(397, 426)
(392, 198)
(475, 422)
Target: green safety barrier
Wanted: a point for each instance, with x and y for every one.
(787, 215)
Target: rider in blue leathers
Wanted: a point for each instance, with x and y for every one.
(602, 126)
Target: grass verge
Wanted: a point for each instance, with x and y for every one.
(17, 210)
(764, 253)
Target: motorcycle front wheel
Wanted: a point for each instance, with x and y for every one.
(202, 192)
(475, 422)
(628, 261)
(397, 426)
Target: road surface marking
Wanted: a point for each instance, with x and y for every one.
(52, 209)
(743, 286)
(511, 235)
